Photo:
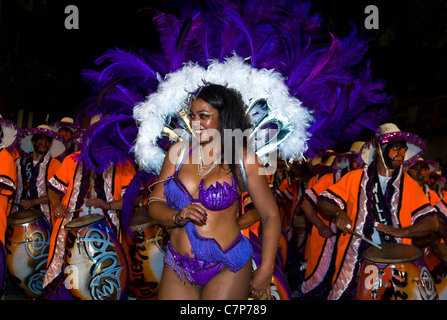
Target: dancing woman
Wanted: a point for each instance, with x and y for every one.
(208, 257)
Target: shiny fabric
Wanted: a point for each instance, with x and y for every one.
(32, 181)
(234, 257)
(71, 184)
(194, 270)
(209, 258)
(215, 198)
(219, 197)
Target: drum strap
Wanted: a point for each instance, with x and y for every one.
(381, 211)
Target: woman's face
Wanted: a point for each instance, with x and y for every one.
(204, 120)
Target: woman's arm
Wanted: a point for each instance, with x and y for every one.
(157, 207)
(267, 208)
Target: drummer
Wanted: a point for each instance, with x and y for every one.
(321, 240)
(40, 148)
(379, 201)
(77, 191)
(66, 128)
(420, 172)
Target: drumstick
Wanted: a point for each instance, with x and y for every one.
(156, 238)
(362, 237)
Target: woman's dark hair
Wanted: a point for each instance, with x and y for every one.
(231, 115)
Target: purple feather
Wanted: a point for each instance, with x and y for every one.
(139, 181)
(109, 141)
(275, 34)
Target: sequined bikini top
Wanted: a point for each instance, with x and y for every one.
(216, 197)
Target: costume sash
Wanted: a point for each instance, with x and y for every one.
(381, 211)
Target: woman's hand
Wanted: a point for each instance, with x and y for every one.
(190, 212)
(261, 284)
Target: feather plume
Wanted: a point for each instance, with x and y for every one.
(139, 181)
(109, 141)
(318, 96)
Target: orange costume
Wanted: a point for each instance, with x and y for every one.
(318, 250)
(353, 194)
(73, 183)
(292, 194)
(8, 182)
(32, 181)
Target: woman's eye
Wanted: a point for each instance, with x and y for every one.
(204, 116)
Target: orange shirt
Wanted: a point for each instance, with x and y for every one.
(8, 182)
(66, 182)
(410, 204)
(315, 243)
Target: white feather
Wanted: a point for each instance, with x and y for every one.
(234, 72)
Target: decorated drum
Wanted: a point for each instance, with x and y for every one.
(395, 272)
(95, 263)
(436, 260)
(27, 246)
(145, 251)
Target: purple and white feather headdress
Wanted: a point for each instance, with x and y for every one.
(253, 84)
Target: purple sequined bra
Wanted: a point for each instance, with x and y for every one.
(215, 198)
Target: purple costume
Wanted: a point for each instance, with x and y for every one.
(209, 257)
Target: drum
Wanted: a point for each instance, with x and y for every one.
(145, 253)
(27, 246)
(94, 260)
(395, 272)
(436, 260)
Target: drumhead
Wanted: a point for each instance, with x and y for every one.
(440, 251)
(84, 221)
(24, 216)
(392, 253)
(141, 221)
